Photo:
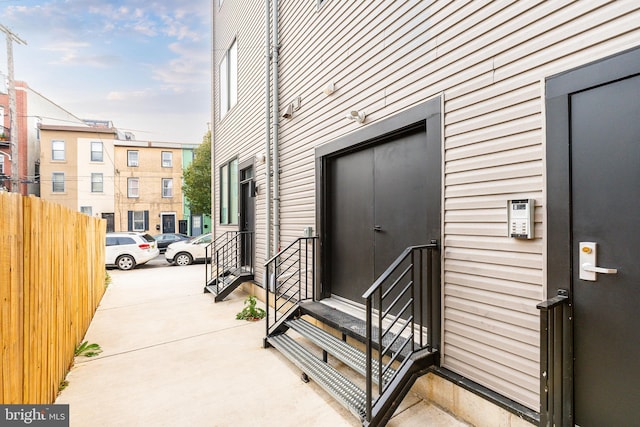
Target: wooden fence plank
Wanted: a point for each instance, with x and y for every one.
(51, 282)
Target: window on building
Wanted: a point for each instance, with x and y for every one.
(96, 151)
(167, 159)
(228, 72)
(137, 220)
(229, 192)
(87, 210)
(132, 158)
(1, 164)
(133, 187)
(57, 179)
(57, 150)
(97, 185)
(167, 187)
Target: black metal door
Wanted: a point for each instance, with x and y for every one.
(605, 176)
(168, 223)
(378, 208)
(351, 237)
(247, 215)
(400, 200)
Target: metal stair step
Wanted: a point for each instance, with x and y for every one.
(326, 376)
(347, 354)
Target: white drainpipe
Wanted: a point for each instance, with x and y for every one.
(267, 136)
(276, 129)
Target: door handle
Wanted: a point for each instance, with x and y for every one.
(377, 228)
(589, 267)
(588, 260)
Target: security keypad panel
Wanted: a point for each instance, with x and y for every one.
(520, 218)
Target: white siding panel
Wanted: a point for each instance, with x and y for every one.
(493, 285)
(491, 201)
(494, 257)
(531, 183)
(484, 171)
(494, 375)
(512, 332)
(488, 60)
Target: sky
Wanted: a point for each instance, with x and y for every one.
(144, 65)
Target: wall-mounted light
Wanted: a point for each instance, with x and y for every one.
(357, 116)
(329, 88)
(288, 112)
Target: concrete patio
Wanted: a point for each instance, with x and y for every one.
(171, 357)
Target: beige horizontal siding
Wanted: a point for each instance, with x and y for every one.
(488, 60)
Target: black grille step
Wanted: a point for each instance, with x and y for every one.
(222, 286)
(326, 376)
(347, 354)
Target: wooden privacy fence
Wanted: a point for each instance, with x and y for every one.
(52, 277)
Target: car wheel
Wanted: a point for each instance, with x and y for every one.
(183, 258)
(125, 262)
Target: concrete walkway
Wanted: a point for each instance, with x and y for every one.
(173, 357)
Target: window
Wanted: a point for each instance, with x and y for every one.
(57, 150)
(229, 79)
(167, 159)
(167, 187)
(132, 158)
(1, 164)
(57, 179)
(138, 220)
(229, 193)
(96, 151)
(133, 187)
(87, 210)
(97, 183)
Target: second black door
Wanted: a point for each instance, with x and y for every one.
(378, 207)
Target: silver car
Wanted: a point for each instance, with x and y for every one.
(128, 249)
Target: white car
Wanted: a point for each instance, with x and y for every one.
(128, 249)
(188, 251)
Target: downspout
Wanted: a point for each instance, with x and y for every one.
(276, 131)
(213, 133)
(267, 134)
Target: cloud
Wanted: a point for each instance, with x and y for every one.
(144, 64)
(128, 95)
(190, 67)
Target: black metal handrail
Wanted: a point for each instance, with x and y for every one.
(556, 361)
(396, 309)
(229, 252)
(289, 278)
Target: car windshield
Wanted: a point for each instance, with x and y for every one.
(148, 238)
(202, 239)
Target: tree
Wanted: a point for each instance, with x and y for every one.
(197, 178)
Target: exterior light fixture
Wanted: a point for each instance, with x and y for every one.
(329, 89)
(288, 112)
(357, 116)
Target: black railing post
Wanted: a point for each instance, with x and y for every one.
(206, 267)
(556, 382)
(314, 260)
(413, 300)
(369, 370)
(300, 269)
(430, 291)
(266, 293)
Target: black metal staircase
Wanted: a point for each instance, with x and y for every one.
(231, 256)
(399, 332)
